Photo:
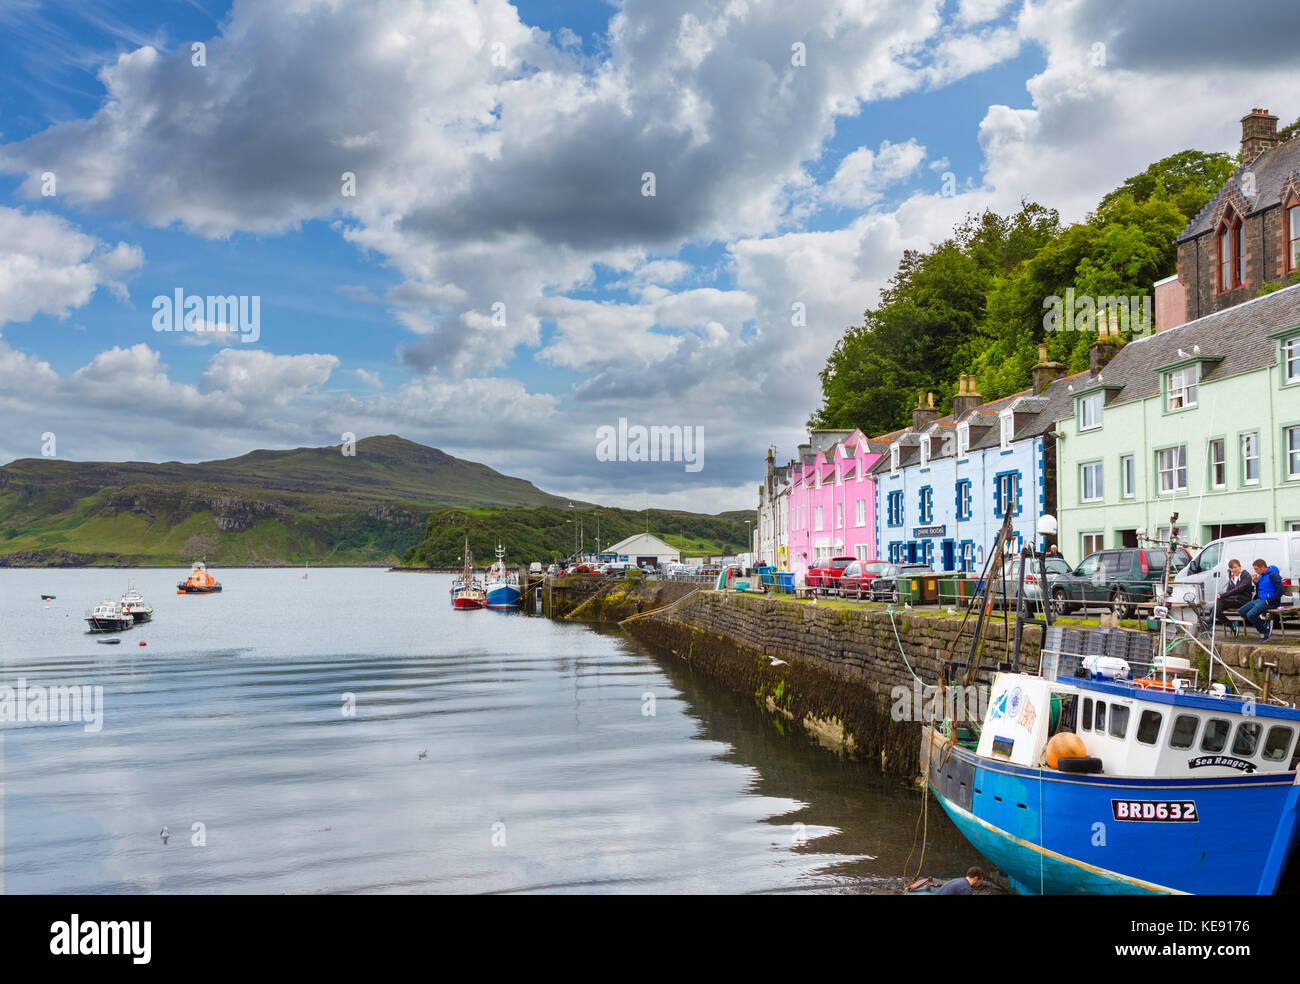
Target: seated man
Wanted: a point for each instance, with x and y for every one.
(1237, 591)
(1268, 594)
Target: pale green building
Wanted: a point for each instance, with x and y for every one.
(1202, 419)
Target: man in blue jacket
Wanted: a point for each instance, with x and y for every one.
(1268, 594)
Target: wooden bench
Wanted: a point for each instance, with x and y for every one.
(1278, 616)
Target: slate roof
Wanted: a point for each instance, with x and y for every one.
(1033, 416)
(1239, 335)
(1271, 170)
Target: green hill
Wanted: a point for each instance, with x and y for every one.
(547, 533)
(262, 508)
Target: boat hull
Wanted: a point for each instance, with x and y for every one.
(109, 624)
(465, 603)
(191, 589)
(503, 596)
(1059, 833)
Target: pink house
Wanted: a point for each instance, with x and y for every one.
(832, 511)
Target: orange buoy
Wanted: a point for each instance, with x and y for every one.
(1066, 744)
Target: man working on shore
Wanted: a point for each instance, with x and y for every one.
(963, 886)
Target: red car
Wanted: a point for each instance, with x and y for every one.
(825, 579)
(855, 580)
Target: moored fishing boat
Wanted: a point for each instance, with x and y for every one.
(502, 584)
(467, 591)
(1110, 769)
(134, 603)
(109, 616)
(199, 581)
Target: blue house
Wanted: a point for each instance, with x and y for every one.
(945, 484)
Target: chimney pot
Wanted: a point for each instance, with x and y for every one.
(1258, 134)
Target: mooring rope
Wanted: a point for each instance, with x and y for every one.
(902, 652)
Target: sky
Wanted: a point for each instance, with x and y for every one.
(498, 228)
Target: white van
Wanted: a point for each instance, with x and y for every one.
(535, 568)
(1209, 569)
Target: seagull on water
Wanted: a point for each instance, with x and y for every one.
(423, 754)
(164, 834)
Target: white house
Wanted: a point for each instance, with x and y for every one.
(644, 549)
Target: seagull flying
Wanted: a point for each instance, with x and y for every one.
(778, 662)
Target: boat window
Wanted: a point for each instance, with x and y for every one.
(1216, 735)
(1278, 741)
(1118, 720)
(1184, 731)
(1101, 716)
(1149, 727)
(1087, 714)
(1247, 739)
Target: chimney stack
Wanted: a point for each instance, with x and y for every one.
(1258, 134)
(1107, 344)
(966, 399)
(924, 414)
(1045, 373)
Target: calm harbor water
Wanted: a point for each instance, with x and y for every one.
(544, 772)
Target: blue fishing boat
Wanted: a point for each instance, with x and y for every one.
(1111, 769)
(502, 585)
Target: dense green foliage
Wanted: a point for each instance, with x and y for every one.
(975, 302)
(547, 534)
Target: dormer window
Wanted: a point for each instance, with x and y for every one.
(1180, 388)
(1090, 412)
(1006, 429)
(963, 439)
(893, 459)
(925, 450)
(1232, 254)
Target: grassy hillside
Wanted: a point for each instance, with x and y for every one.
(546, 534)
(265, 507)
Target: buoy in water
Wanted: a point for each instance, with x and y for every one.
(1066, 744)
(142, 642)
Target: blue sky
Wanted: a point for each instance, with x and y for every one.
(499, 151)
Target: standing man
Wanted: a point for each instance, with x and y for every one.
(963, 886)
(1268, 594)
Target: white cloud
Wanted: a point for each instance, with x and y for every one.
(863, 175)
(48, 266)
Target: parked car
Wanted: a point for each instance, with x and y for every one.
(857, 577)
(1010, 574)
(1208, 572)
(1115, 578)
(826, 578)
(884, 587)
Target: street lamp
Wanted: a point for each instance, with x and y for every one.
(573, 519)
(749, 528)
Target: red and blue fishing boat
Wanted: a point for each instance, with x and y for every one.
(467, 591)
(503, 591)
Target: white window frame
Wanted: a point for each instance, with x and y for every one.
(1221, 464)
(1094, 469)
(1251, 440)
(1178, 465)
(1006, 429)
(963, 439)
(861, 516)
(1291, 447)
(1097, 537)
(1090, 421)
(818, 513)
(893, 459)
(1180, 385)
(1291, 361)
(1128, 476)
(839, 515)
(925, 450)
